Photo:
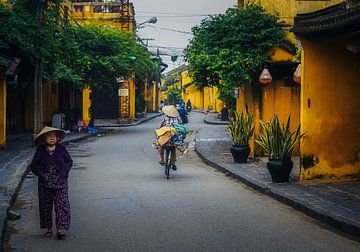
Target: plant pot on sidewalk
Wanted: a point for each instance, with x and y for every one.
(241, 129)
(278, 141)
(240, 153)
(279, 169)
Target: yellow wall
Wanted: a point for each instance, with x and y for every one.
(2, 111)
(88, 16)
(86, 104)
(207, 99)
(330, 110)
(284, 101)
(132, 98)
(287, 10)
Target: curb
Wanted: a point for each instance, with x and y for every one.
(324, 215)
(129, 124)
(215, 122)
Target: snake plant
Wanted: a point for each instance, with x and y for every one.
(277, 139)
(241, 128)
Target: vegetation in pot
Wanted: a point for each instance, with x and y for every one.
(241, 128)
(277, 139)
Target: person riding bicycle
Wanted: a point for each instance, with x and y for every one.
(171, 116)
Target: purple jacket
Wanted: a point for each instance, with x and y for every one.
(52, 169)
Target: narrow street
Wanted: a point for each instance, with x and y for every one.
(121, 201)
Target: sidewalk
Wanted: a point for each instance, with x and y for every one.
(337, 203)
(14, 160)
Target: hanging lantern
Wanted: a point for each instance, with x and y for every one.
(265, 77)
(297, 74)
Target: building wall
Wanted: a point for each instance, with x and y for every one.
(50, 103)
(85, 13)
(330, 110)
(29, 107)
(2, 111)
(86, 104)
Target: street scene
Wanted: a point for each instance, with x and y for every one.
(158, 125)
(122, 201)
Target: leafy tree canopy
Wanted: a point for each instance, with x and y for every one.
(80, 55)
(228, 49)
(96, 56)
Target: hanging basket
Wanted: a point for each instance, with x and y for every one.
(265, 77)
(297, 75)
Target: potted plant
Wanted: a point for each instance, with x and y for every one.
(241, 129)
(278, 142)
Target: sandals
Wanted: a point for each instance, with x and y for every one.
(48, 234)
(161, 162)
(60, 235)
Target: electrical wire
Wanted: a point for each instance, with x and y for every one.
(169, 29)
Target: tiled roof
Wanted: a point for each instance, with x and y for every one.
(337, 18)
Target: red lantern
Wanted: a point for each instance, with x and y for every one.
(265, 77)
(297, 74)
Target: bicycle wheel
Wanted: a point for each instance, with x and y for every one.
(167, 163)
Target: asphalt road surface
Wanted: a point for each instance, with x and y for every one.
(121, 201)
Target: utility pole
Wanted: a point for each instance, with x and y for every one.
(157, 81)
(38, 77)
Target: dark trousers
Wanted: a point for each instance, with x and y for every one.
(60, 199)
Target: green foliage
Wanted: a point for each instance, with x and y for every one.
(172, 79)
(228, 49)
(241, 128)
(173, 94)
(278, 140)
(79, 55)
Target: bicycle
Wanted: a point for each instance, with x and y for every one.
(170, 154)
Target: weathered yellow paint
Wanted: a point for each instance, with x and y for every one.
(279, 54)
(132, 98)
(195, 96)
(310, 6)
(2, 111)
(86, 103)
(284, 101)
(330, 107)
(287, 10)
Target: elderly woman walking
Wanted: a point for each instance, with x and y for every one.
(52, 163)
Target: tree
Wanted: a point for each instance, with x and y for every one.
(227, 50)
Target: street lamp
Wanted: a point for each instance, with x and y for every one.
(152, 20)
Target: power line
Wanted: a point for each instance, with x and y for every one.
(175, 13)
(168, 29)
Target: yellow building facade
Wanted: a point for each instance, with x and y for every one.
(326, 103)
(206, 99)
(119, 15)
(330, 91)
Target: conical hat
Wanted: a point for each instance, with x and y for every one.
(170, 110)
(40, 137)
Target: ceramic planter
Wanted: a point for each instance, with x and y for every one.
(279, 169)
(240, 153)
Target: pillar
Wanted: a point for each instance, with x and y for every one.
(2, 111)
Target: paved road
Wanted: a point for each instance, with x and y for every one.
(121, 201)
